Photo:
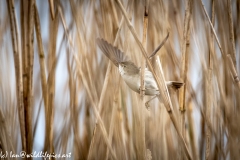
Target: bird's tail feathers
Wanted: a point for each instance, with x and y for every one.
(175, 84)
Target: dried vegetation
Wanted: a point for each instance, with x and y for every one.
(60, 94)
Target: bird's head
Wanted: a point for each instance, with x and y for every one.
(128, 67)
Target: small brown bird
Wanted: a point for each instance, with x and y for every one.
(130, 72)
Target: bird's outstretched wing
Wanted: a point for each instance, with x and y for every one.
(113, 53)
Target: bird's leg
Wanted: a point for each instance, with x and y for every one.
(147, 105)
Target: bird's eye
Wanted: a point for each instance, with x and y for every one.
(124, 66)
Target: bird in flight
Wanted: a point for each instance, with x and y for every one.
(130, 72)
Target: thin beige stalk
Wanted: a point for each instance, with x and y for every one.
(192, 132)
(114, 113)
(184, 68)
(118, 136)
(26, 70)
(209, 88)
(29, 87)
(144, 43)
(5, 137)
(161, 83)
(41, 60)
(18, 70)
(74, 108)
(48, 144)
(232, 39)
(116, 21)
(139, 118)
(76, 19)
(184, 50)
(51, 7)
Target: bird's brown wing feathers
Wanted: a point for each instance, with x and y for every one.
(113, 53)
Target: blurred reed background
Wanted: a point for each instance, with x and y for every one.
(60, 94)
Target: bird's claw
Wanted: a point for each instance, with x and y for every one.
(147, 106)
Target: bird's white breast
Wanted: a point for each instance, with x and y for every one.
(133, 81)
(150, 83)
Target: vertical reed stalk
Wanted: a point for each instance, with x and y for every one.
(209, 88)
(52, 59)
(232, 39)
(184, 67)
(29, 70)
(51, 7)
(42, 63)
(18, 70)
(140, 112)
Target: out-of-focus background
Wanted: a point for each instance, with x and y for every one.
(59, 93)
